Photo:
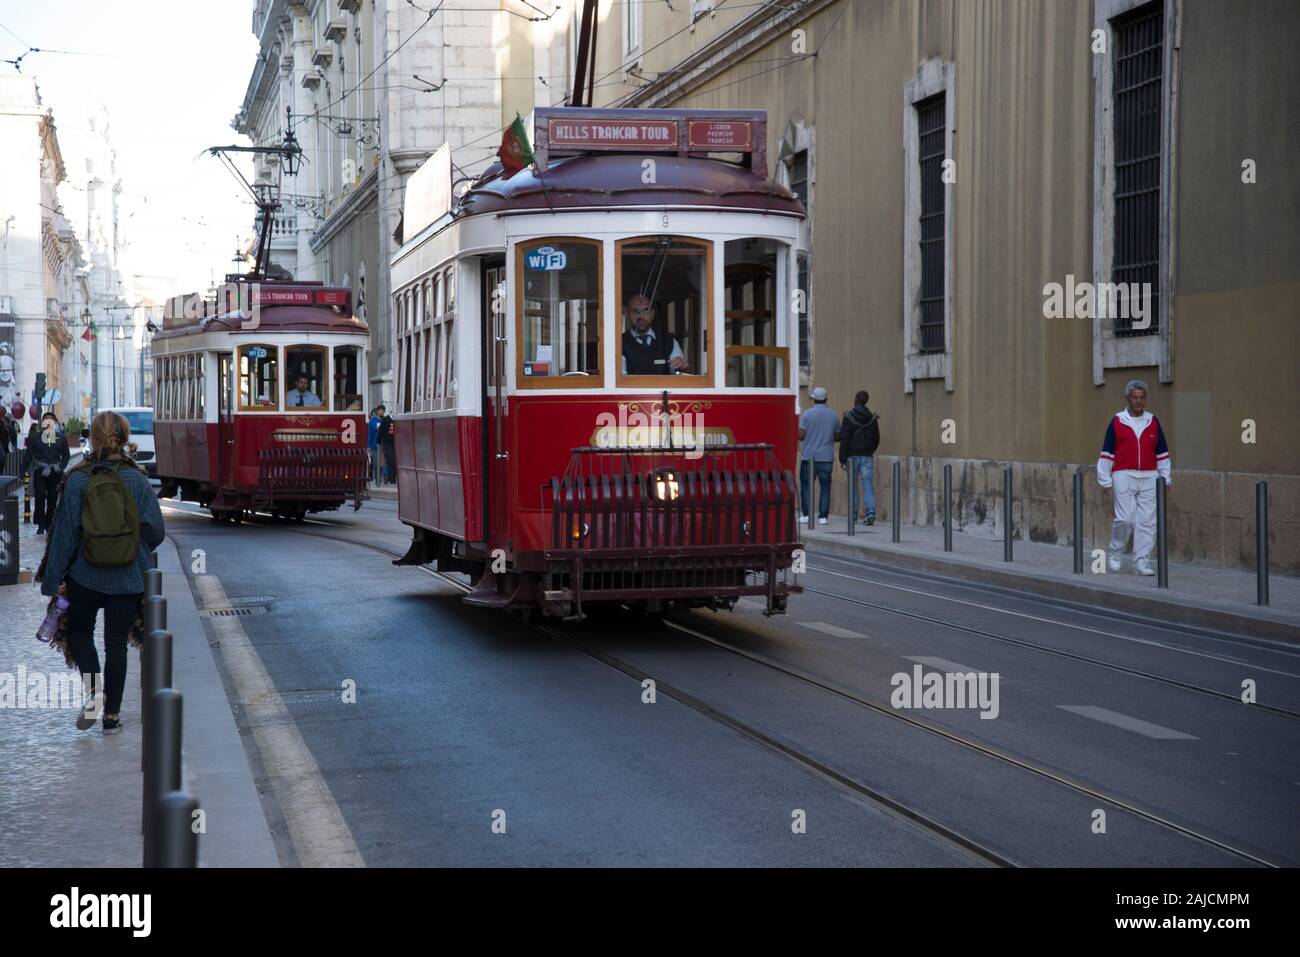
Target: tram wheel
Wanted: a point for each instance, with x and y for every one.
(237, 516)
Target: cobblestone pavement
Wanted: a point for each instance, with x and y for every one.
(68, 798)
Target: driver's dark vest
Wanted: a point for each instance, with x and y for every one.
(650, 359)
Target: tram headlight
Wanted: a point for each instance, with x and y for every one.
(666, 485)
(579, 530)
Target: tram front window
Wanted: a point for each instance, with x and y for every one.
(259, 377)
(560, 320)
(305, 367)
(755, 340)
(347, 366)
(664, 284)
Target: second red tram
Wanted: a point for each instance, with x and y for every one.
(259, 407)
(597, 363)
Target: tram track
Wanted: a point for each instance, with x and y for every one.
(975, 850)
(1058, 652)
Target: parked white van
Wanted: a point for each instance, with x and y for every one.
(140, 418)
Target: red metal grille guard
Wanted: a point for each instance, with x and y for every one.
(728, 500)
(293, 472)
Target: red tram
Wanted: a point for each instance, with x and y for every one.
(258, 405)
(597, 361)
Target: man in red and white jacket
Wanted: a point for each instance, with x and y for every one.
(1133, 455)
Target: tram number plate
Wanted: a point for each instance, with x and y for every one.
(547, 259)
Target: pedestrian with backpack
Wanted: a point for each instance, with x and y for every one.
(108, 521)
(859, 439)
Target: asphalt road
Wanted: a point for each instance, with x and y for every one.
(478, 739)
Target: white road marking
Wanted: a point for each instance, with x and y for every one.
(1128, 724)
(319, 833)
(942, 664)
(835, 631)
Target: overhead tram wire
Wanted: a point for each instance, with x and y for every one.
(361, 82)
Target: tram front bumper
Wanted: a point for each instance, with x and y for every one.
(290, 473)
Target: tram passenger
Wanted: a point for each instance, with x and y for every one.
(302, 395)
(645, 352)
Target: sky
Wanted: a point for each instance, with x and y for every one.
(171, 75)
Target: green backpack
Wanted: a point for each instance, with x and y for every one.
(110, 521)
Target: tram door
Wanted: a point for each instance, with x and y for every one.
(225, 419)
(496, 453)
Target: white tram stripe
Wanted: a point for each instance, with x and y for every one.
(1136, 725)
(319, 833)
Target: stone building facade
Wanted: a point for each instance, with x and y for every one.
(969, 167)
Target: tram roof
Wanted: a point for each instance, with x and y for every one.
(588, 157)
(617, 180)
(282, 307)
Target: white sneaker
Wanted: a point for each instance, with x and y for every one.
(803, 519)
(1143, 567)
(1114, 563)
(822, 521)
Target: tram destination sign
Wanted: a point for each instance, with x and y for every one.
(602, 134)
(720, 134)
(569, 130)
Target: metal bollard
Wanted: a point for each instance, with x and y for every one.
(947, 508)
(27, 499)
(1078, 523)
(178, 844)
(153, 584)
(155, 608)
(1006, 514)
(1261, 543)
(896, 505)
(1162, 537)
(154, 677)
(163, 763)
(853, 497)
(154, 615)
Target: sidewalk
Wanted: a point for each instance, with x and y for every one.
(382, 493)
(1221, 599)
(71, 798)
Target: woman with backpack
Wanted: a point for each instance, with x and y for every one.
(108, 521)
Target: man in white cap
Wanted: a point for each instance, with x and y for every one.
(1133, 455)
(818, 431)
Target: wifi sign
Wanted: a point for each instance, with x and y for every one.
(546, 259)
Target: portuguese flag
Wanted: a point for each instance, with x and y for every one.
(89, 334)
(515, 153)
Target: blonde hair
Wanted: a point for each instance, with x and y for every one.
(110, 435)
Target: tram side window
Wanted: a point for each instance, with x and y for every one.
(191, 390)
(756, 351)
(347, 379)
(259, 377)
(559, 281)
(305, 377)
(200, 385)
(664, 288)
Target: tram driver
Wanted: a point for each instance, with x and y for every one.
(302, 395)
(645, 351)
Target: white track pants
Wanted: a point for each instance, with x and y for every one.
(1135, 511)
